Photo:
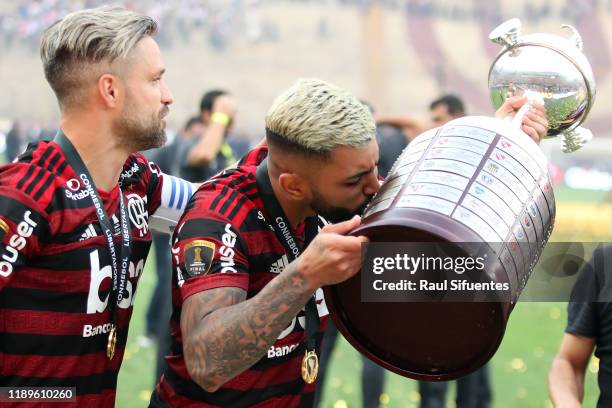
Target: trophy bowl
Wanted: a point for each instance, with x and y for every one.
(547, 67)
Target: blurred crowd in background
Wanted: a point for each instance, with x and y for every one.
(221, 23)
(22, 21)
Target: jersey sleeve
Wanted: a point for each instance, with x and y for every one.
(175, 194)
(582, 319)
(22, 226)
(583, 308)
(208, 253)
(167, 196)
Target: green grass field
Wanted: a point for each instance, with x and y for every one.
(519, 369)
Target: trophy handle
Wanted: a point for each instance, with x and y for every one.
(507, 33)
(576, 138)
(576, 38)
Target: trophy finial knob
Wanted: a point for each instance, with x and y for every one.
(576, 38)
(507, 33)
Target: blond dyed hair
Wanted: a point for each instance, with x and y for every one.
(72, 48)
(314, 116)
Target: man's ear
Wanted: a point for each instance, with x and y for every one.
(294, 186)
(110, 90)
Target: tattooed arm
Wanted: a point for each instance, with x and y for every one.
(224, 334)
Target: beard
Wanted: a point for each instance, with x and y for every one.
(335, 214)
(136, 133)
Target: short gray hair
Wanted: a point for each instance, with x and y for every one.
(71, 45)
(315, 117)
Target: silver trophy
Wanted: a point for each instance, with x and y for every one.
(548, 68)
(475, 182)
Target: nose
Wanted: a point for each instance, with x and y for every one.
(372, 184)
(166, 96)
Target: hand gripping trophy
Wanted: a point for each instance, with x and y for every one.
(474, 181)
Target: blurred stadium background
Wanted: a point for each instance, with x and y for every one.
(396, 54)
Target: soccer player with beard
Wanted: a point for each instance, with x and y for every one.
(75, 212)
(248, 309)
(249, 260)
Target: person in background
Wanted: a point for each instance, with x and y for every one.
(390, 142)
(204, 156)
(442, 110)
(14, 141)
(160, 306)
(473, 390)
(589, 327)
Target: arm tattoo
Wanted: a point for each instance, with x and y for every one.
(225, 334)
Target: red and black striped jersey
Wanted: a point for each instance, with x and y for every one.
(224, 239)
(55, 272)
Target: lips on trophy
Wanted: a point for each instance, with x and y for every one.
(475, 180)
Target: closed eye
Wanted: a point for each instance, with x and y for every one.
(352, 183)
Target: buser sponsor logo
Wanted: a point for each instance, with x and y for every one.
(16, 243)
(227, 250)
